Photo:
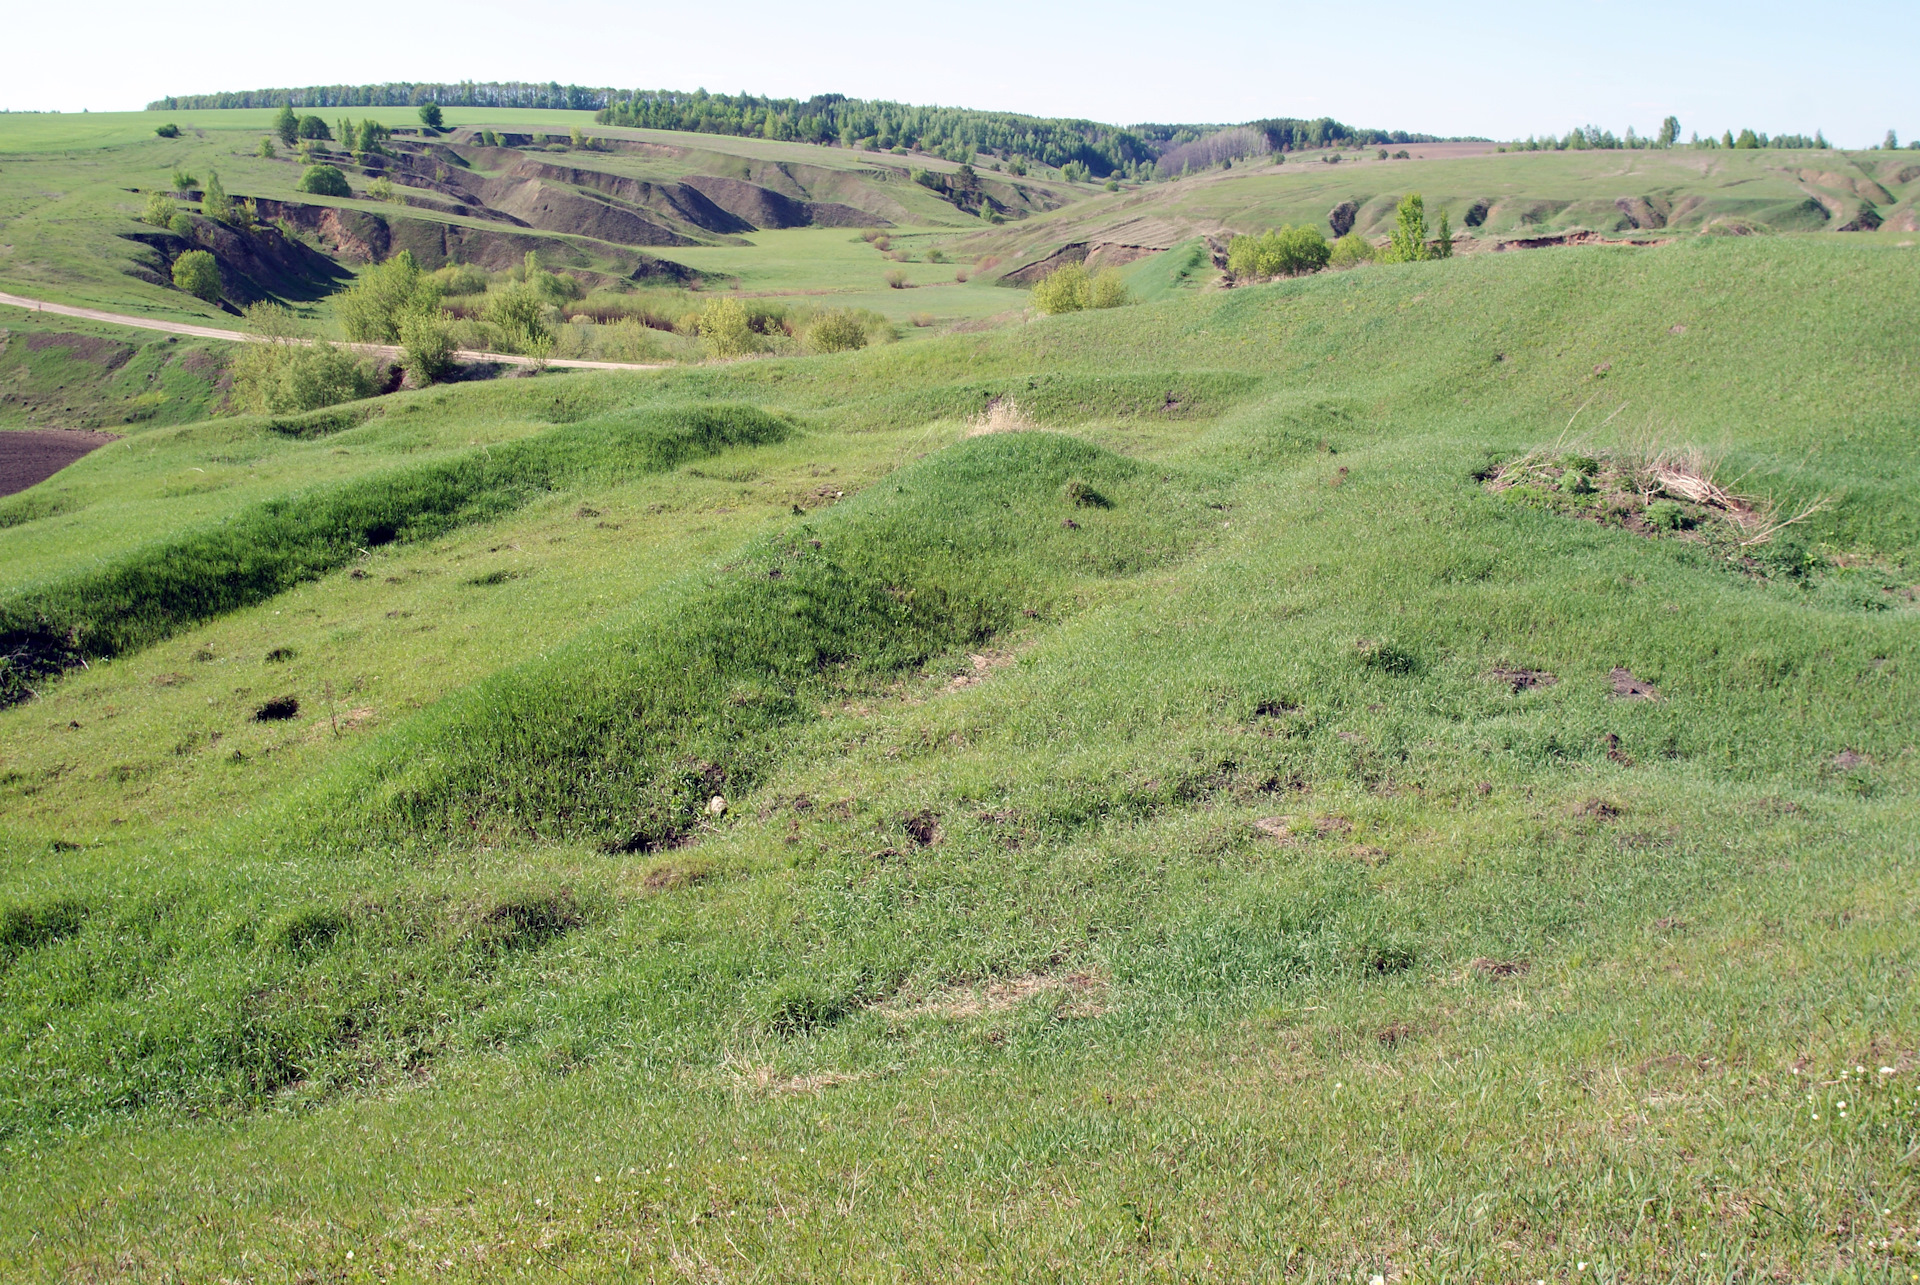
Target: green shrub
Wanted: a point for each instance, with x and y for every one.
(1352, 250)
(1409, 243)
(1667, 515)
(370, 309)
(426, 336)
(1108, 290)
(431, 117)
(214, 202)
(181, 225)
(285, 373)
(168, 130)
(160, 210)
(725, 330)
(837, 331)
(1286, 252)
(325, 180)
(520, 316)
(312, 127)
(182, 180)
(460, 278)
(1065, 289)
(266, 150)
(382, 189)
(197, 274)
(629, 339)
(286, 125)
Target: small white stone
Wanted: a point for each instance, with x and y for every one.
(717, 806)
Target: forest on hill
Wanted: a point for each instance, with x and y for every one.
(956, 133)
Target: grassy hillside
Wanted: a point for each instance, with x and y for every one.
(1495, 199)
(1276, 807)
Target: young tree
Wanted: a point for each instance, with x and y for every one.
(313, 129)
(197, 274)
(1890, 143)
(1726, 138)
(266, 150)
(1748, 140)
(725, 330)
(286, 124)
(1669, 131)
(426, 338)
(183, 181)
(214, 202)
(160, 210)
(1443, 240)
(430, 117)
(518, 313)
(1409, 243)
(372, 308)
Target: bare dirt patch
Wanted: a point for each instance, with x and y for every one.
(1627, 687)
(109, 353)
(1523, 680)
(1498, 969)
(983, 664)
(1075, 995)
(29, 456)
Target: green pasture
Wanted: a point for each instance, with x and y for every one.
(1136, 859)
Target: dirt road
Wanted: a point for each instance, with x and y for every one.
(241, 337)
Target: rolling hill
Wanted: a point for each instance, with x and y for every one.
(1402, 772)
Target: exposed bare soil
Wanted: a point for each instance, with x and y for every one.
(30, 456)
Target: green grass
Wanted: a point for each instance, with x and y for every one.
(1176, 893)
(61, 372)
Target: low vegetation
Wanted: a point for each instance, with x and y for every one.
(1071, 288)
(1399, 773)
(1285, 252)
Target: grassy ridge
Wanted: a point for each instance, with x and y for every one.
(158, 590)
(619, 738)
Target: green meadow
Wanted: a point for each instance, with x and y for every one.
(1134, 795)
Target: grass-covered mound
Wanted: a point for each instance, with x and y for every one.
(622, 737)
(157, 590)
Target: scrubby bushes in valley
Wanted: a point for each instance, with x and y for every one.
(1285, 252)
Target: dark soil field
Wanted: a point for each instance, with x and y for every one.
(32, 455)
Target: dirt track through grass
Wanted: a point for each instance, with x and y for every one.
(387, 351)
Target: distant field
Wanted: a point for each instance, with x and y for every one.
(1270, 783)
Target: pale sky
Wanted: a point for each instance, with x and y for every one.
(1502, 72)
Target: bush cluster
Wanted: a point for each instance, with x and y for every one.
(1285, 252)
(1073, 289)
(285, 372)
